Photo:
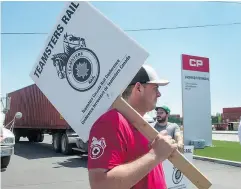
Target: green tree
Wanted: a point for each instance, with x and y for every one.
(214, 120)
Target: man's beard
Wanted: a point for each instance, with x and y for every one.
(161, 120)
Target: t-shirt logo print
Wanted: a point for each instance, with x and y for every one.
(97, 147)
(78, 64)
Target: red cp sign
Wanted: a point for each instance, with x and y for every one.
(195, 63)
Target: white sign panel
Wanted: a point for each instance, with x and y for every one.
(196, 99)
(85, 64)
(239, 131)
(175, 178)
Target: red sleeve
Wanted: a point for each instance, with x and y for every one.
(107, 145)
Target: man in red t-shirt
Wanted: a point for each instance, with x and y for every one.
(119, 156)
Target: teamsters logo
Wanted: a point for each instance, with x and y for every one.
(78, 64)
(97, 147)
(176, 176)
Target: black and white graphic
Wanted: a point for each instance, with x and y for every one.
(176, 176)
(97, 147)
(78, 64)
(85, 57)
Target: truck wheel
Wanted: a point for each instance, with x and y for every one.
(5, 161)
(17, 138)
(56, 142)
(39, 137)
(31, 138)
(17, 135)
(66, 147)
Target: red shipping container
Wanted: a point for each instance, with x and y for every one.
(232, 117)
(232, 110)
(37, 111)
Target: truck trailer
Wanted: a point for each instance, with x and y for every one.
(40, 117)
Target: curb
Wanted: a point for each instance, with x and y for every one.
(220, 161)
(224, 133)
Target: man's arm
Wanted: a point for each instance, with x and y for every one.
(108, 170)
(177, 134)
(123, 176)
(179, 138)
(127, 175)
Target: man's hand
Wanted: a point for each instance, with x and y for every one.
(180, 147)
(163, 146)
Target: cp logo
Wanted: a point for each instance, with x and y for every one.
(195, 63)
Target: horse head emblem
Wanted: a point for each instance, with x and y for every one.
(72, 43)
(60, 61)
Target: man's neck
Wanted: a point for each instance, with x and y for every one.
(162, 124)
(136, 107)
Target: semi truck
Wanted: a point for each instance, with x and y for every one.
(39, 118)
(7, 139)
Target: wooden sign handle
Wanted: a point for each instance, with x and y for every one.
(177, 159)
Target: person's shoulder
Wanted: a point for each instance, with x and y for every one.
(173, 125)
(111, 117)
(154, 124)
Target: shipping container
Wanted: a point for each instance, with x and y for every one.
(36, 109)
(232, 110)
(231, 116)
(39, 117)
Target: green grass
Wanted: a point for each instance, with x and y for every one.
(221, 150)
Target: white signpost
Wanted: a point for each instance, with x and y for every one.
(196, 99)
(239, 130)
(85, 64)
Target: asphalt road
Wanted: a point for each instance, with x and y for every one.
(221, 176)
(36, 166)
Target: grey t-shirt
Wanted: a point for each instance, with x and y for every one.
(171, 128)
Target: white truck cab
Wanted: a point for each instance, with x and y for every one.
(7, 141)
(7, 138)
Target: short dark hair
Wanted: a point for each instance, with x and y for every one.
(127, 92)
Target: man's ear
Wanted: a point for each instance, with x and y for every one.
(138, 86)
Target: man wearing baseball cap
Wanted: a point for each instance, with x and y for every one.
(119, 155)
(172, 129)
